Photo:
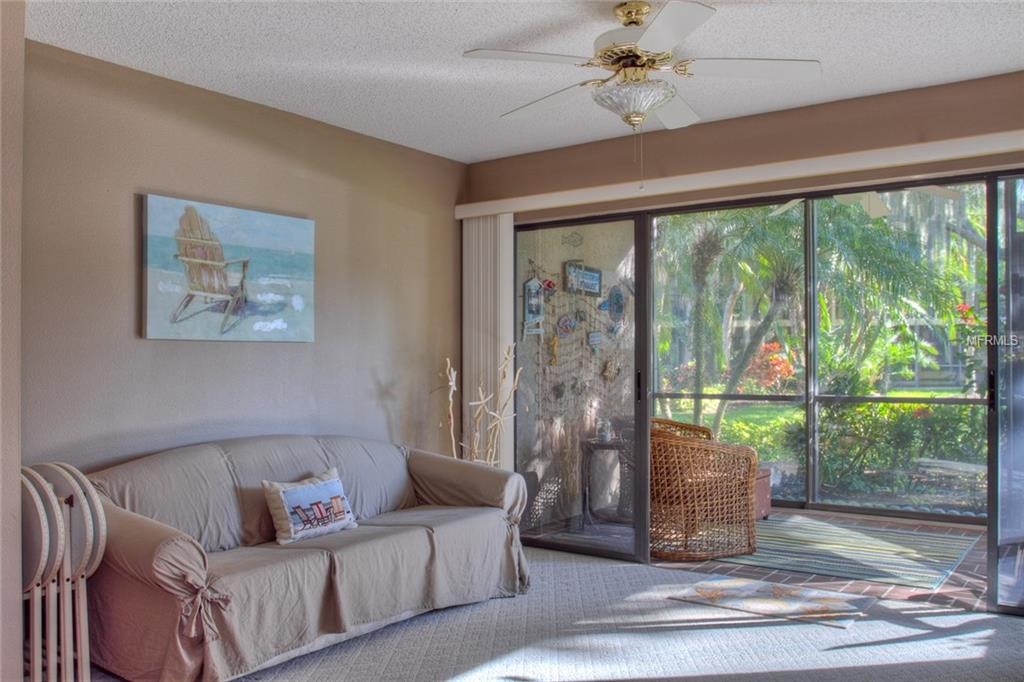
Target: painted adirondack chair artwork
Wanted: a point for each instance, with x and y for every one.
(208, 273)
(320, 514)
(227, 274)
(307, 520)
(338, 507)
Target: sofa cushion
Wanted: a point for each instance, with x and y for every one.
(469, 547)
(271, 458)
(190, 488)
(375, 474)
(376, 572)
(283, 597)
(276, 597)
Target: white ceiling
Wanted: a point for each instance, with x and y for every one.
(394, 70)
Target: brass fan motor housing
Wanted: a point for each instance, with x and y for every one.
(618, 49)
(626, 55)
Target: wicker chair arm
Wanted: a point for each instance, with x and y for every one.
(741, 458)
(681, 428)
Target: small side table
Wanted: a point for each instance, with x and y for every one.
(624, 448)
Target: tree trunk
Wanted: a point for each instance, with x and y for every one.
(698, 350)
(730, 308)
(756, 339)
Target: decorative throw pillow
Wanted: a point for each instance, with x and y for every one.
(310, 507)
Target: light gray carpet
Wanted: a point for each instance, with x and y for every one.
(588, 618)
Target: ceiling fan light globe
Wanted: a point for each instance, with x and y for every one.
(633, 100)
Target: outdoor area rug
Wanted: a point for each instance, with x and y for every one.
(900, 557)
(784, 601)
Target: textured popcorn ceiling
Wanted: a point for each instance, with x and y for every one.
(394, 70)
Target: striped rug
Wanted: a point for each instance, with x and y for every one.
(901, 557)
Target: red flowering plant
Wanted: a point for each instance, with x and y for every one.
(966, 313)
(770, 368)
(968, 329)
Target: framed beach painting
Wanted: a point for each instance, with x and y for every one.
(219, 273)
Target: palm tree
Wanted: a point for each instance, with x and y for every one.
(783, 273)
(708, 245)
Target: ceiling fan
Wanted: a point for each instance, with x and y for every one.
(637, 51)
(873, 203)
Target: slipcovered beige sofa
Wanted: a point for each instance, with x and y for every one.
(193, 585)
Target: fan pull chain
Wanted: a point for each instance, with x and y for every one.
(638, 145)
(642, 185)
(638, 153)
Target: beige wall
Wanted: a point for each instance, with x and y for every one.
(12, 37)
(387, 262)
(967, 108)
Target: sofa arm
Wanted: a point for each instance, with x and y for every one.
(163, 557)
(443, 480)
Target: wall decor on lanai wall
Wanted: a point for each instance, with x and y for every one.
(219, 273)
(533, 307)
(582, 279)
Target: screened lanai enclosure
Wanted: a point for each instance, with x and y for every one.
(866, 344)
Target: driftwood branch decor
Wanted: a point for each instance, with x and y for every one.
(490, 412)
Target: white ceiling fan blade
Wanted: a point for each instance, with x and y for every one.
(547, 100)
(757, 69)
(785, 207)
(676, 20)
(848, 199)
(676, 113)
(519, 56)
(942, 192)
(873, 204)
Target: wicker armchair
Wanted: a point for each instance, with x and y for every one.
(702, 497)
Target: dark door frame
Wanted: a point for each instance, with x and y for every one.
(996, 254)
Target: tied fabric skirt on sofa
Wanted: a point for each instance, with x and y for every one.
(166, 607)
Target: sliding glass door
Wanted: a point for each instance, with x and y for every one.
(839, 336)
(581, 427)
(729, 331)
(900, 303)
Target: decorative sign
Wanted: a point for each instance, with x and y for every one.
(594, 340)
(533, 307)
(580, 279)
